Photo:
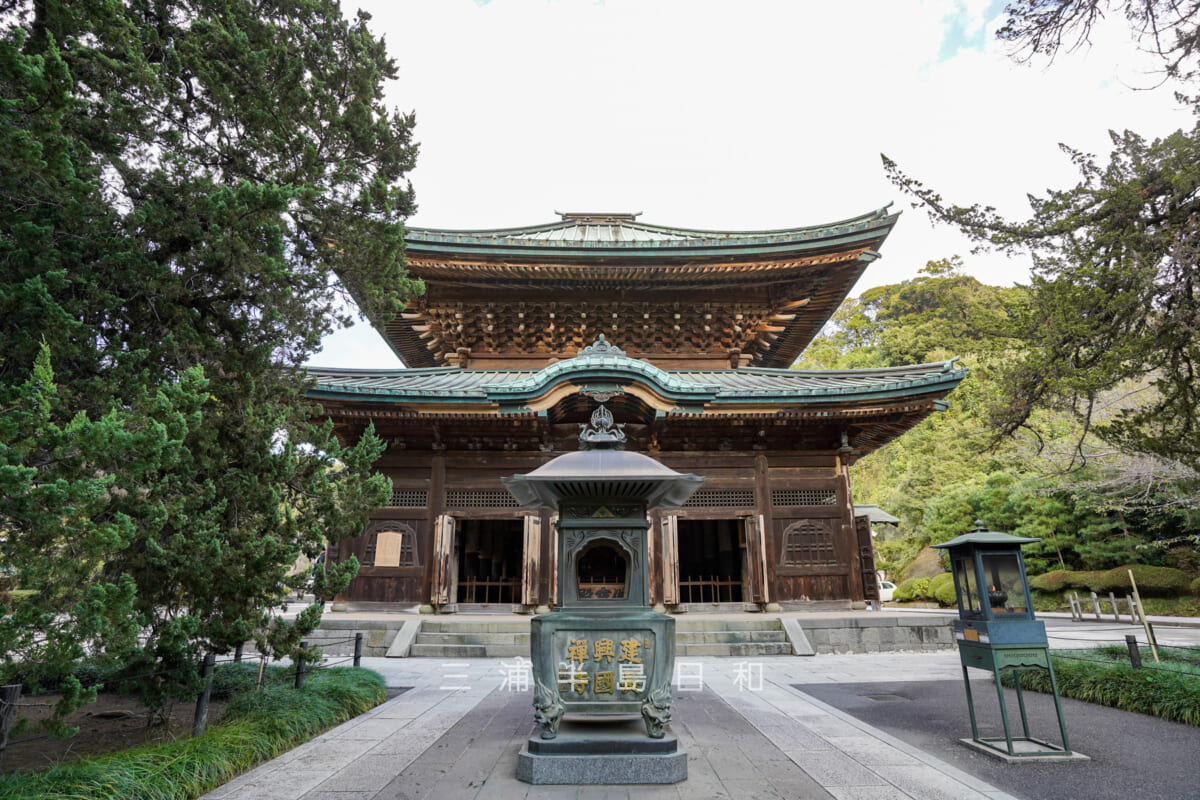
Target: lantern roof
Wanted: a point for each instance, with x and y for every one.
(980, 535)
(602, 470)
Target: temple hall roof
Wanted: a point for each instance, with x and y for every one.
(602, 365)
(622, 231)
(679, 297)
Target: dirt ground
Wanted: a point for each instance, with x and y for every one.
(113, 722)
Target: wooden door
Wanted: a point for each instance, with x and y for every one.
(531, 561)
(866, 558)
(670, 566)
(443, 555)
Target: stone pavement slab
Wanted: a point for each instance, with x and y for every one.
(747, 731)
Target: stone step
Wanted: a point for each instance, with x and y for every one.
(508, 650)
(690, 625)
(748, 649)
(451, 626)
(728, 636)
(732, 637)
(473, 638)
(449, 651)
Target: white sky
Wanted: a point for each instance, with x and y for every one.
(741, 115)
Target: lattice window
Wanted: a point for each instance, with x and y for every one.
(390, 544)
(803, 497)
(409, 498)
(809, 543)
(479, 498)
(721, 498)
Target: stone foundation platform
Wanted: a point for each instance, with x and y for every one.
(590, 751)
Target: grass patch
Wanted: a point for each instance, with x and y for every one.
(258, 725)
(1170, 690)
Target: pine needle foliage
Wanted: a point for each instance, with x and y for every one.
(184, 187)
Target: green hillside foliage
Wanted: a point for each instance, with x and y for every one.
(1094, 505)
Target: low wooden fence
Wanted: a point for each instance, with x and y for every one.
(1094, 606)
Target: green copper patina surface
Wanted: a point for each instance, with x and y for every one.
(604, 651)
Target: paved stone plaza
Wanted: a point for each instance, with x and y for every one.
(456, 732)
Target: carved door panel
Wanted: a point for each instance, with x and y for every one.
(443, 554)
(670, 551)
(866, 555)
(531, 561)
(756, 556)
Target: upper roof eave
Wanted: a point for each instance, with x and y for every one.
(532, 241)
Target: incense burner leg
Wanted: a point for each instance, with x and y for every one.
(656, 711)
(548, 709)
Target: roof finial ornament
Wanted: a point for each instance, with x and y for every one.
(601, 347)
(601, 434)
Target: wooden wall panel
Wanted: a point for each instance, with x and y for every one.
(372, 586)
(812, 587)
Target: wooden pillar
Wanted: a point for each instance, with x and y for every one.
(547, 545)
(848, 535)
(655, 558)
(531, 558)
(756, 554)
(553, 537)
(443, 553)
(762, 501)
(435, 502)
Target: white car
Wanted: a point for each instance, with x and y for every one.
(886, 590)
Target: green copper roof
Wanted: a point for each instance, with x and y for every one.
(687, 388)
(980, 535)
(622, 234)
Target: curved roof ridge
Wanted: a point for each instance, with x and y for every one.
(586, 223)
(380, 373)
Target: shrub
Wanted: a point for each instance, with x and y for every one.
(1170, 695)
(942, 589)
(1195, 589)
(1088, 581)
(259, 725)
(1151, 581)
(1054, 581)
(912, 589)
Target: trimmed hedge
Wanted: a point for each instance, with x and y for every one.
(259, 726)
(1089, 581)
(1054, 581)
(1151, 581)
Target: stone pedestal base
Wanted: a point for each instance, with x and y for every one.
(597, 751)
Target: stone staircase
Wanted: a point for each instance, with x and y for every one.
(453, 639)
(731, 637)
(693, 637)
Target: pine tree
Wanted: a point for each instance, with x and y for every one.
(183, 188)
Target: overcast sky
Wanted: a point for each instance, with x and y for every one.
(741, 115)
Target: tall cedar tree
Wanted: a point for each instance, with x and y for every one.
(1116, 281)
(182, 183)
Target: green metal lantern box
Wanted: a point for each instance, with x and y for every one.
(996, 631)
